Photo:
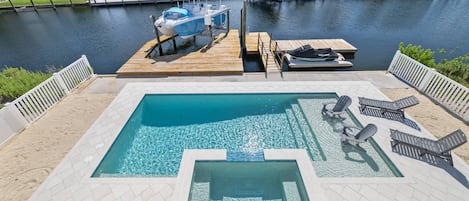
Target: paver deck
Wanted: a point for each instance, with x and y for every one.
(422, 181)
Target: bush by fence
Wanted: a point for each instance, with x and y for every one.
(29, 107)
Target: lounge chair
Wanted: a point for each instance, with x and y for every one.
(397, 106)
(339, 108)
(440, 148)
(362, 136)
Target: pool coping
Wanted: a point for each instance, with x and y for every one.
(71, 179)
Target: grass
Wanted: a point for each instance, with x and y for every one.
(18, 3)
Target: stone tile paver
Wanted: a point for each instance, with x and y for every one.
(93, 145)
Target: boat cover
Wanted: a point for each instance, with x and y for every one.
(308, 53)
(175, 13)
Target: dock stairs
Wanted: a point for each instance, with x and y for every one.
(261, 43)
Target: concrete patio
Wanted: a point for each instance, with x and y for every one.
(424, 179)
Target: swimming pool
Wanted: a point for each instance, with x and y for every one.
(163, 125)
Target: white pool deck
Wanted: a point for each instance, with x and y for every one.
(71, 179)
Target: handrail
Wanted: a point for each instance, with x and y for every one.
(34, 103)
(29, 107)
(273, 52)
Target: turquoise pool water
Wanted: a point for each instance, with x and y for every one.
(242, 181)
(162, 126)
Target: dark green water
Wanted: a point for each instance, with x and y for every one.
(51, 39)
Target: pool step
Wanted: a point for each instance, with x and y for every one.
(243, 199)
(200, 191)
(310, 139)
(290, 191)
(295, 127)
(244, 156)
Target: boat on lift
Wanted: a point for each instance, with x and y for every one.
(191, 19)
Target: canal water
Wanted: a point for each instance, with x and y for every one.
(48, 39)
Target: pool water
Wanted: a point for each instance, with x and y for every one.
(163, 125)
(242, 181)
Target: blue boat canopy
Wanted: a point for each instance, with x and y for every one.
(175, 13)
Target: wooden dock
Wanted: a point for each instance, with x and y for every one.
(252, 43)
(223, 57)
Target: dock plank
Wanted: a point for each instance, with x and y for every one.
(339, 45)
(223, 57)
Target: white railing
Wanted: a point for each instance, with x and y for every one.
(450, 94)
(29, 107)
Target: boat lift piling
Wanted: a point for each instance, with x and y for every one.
(34, 6)
(160, 39)
(157, 35)
(243, 26)
(227, 22)
(14, 8)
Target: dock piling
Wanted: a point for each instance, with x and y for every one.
(32, 3)
(14, 9)
(52, 3)
(157, 35)
(174, 44)
(243, 25)
(228, 22)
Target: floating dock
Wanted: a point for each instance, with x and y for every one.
(223, 57)
(269, 50)
(338, 45)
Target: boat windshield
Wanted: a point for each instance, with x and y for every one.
(175, 13)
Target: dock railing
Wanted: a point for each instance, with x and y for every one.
(268, 47)
(448, 93)
(32, 105)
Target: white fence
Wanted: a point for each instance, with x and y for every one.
(450, 94)
(23, 111)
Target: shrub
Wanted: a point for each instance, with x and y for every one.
(456, 69)
(14, 82)
(424, 56)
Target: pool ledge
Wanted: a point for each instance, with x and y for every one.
(190, 156)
